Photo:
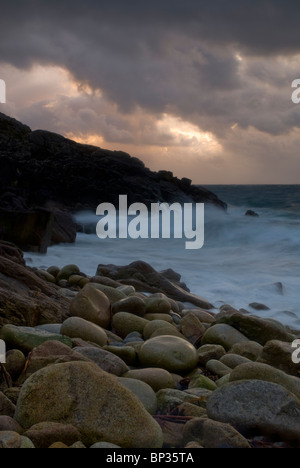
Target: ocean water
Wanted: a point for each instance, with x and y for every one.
(243, 260)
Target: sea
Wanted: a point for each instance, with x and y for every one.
(244, 259)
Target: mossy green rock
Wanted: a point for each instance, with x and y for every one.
(169, 352)
(93, 401)
(125, 323)
(200, 381)
(27, 338)
(66, 272)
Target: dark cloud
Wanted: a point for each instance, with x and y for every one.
(216, 64)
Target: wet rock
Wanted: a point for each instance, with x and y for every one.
(213, 434)
(97, 405)
(223, 335)
(76, 327)
(92, 305)
(254, 405)
(169, 352)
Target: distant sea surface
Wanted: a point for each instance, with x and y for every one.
(244, 259)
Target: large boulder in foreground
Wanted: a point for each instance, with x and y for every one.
(90, 399)
(257, 406)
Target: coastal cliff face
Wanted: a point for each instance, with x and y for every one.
(45, 177)
(43, 169)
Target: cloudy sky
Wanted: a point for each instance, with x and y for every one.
(202, 88)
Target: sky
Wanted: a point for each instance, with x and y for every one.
(200, 88)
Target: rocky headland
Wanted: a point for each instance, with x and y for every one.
(130, 358)
(45, 178)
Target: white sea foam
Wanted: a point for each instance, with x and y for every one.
(243, 260)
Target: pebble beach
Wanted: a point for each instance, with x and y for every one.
(112, 366)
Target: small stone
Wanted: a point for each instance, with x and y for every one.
(7, 423)
(213, 434)
(44, 434)
(10, 440)
(250, 350)
(202, 315)
(125, 323)
(92, 305)
(133, 305)
(127, 290)
(114, 295)
(15, 363)
(208, 352)
(157, 305)
(192, 328)
(217, 368)
(76, 327)
(155, 325)
(58, 445)
(107, 361)
(169, 352)
(66, 272)
(7, 408)
(46, 276)
(126, 353)
(77, 445)
(233, 360)
(156, 378)
(169, 400)
(224, 335)
(258, 306)
(142, 391)
(200, 381)
(164, 317)
(53, 270)
(104, 445)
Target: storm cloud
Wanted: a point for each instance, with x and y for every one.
(225, 68)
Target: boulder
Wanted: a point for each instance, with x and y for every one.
(27, 338)
(257, 406)
(107, 361)
(93, 401)
(134, 305)
(213, 434)
(125, 323)
(92, 305)
(258, 371)
(146, 279)
(169, 352)
(278, 354)
(258, 329)
(76, 327)
(223, 335)
(155, 377)
(210, 351)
